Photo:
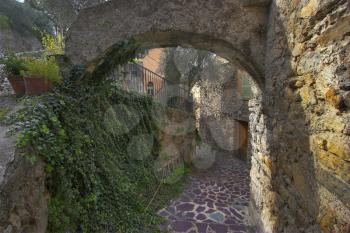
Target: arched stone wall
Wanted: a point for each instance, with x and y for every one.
(225, 27)
(299, 127)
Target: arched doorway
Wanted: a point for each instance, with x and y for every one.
(151, 26)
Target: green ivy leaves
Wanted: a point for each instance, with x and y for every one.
(94, 183)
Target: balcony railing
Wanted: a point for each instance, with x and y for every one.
(135, 77)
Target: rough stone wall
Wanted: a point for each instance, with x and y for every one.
(11, 40)
(5, 87)
(301, 154)
(23, 196)
(218, 106)
(262, 197)
(215, 131)
(232, 102)
(177, 135)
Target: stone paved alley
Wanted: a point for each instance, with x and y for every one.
(214, 201)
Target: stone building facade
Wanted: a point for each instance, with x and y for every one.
(222, 113)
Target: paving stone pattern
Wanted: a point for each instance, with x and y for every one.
(214, 201)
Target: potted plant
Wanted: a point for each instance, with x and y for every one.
(40, 75)
(13, 68)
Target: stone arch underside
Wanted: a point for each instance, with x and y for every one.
(225, 27)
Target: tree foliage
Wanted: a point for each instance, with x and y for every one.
(191, 65)
(63, 12)
(24, 19)
(171, 70)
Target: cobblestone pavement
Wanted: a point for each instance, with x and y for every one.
(214, 201)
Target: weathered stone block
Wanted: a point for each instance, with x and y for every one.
(330, 122)
(333, 98)
(298, 49)
(309, 63)
(346, 129)
(308, 96)
(339, 146)
(309, 9)
(318, 142)
(334, 163)
(333, 184)
(336, 31)
(332, 212)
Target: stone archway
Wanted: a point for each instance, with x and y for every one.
(225, 27)
(301, 183)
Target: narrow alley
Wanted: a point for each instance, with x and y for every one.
(214, 201)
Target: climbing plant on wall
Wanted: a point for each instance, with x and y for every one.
(95, 183)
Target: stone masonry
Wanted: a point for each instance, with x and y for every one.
(23, 195)
(305, 112)
(298, 52)
(218, 105)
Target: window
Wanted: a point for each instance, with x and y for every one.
(150, 89)
(246, 91)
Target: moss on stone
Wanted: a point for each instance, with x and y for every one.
(3, 113)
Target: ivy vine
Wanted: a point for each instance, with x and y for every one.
(94, 183)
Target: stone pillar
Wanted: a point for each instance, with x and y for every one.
(304, 175)
(262, 196)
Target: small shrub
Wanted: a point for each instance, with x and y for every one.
(13, 64)
(3, 113)
(176, 175)
(52, 44)
(45, 68)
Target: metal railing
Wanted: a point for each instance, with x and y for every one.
(135, 77)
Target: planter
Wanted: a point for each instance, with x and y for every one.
(37, 85)
(17, 83)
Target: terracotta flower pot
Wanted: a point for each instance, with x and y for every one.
(37, 85)
(17, 83)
